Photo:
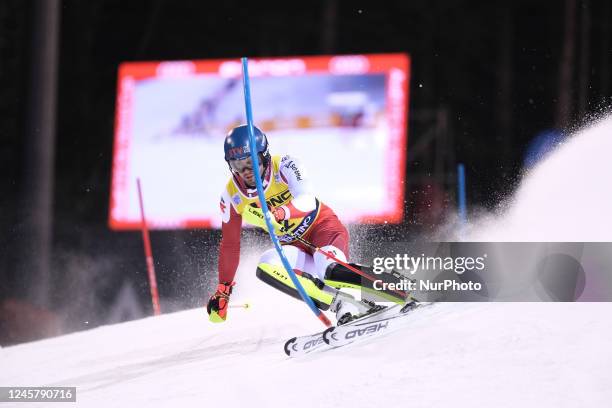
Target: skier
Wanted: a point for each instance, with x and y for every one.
(297, 213)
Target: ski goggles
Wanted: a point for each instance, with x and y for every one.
(239, 166)
(242, 165)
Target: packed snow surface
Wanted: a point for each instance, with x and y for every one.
(452, 354)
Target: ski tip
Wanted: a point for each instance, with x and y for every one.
(288, 344)
(327, 334)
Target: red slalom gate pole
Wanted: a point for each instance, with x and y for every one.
(148, 254)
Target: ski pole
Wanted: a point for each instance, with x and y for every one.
(262, 198)
(253, 218)
(241, 306)
(346, 265)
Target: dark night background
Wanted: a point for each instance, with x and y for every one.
(487, 77)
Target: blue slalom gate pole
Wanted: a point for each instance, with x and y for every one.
(461, 201)
(262, 197)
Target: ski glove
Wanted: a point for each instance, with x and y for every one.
(218, 303)
(279, 213)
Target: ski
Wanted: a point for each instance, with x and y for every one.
(371, 326)
(302, 345)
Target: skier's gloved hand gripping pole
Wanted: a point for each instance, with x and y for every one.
(262, 199)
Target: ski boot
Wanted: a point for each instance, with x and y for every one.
(347, 308)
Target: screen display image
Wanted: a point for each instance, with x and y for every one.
(343, 117)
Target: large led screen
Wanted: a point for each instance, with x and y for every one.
(343, 117)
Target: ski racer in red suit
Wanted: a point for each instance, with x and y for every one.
(297, 212)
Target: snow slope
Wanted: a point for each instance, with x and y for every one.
(453, 354)
(565, 198)
(459, 354)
